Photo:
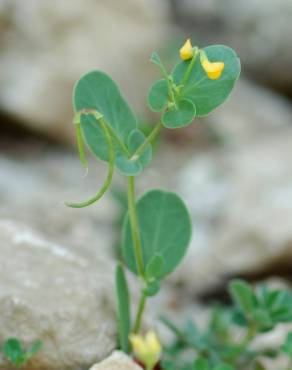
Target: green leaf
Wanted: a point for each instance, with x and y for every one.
(262, 319)
(97, 91)
(165, 229)
(128, 166)
(123, 309)
(12, 349)
(223, 367)
(201, 364)
(34, 349)
(207, 94)
(243, 295)
(287, 346)
(152, 288)
(154, 267)
(180, 115)
(158, 96)
(156, 60)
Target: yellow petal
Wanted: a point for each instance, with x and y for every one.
(213, 69)
(139, 345)
(153, 343)
(186, 52)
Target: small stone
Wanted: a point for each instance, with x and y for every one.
(117, 361)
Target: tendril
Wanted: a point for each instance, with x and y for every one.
(83, 158)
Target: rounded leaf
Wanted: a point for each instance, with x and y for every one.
(165, 230)
(179, 116)
(158, 96)
(207, 94)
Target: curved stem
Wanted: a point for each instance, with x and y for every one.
(135, 227)
(153, 134)
(109, 177)
(139, 314)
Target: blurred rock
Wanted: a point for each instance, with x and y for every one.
(48, 292)
(116, 361)
(241, 205)
(36, 180)
(47, 46)
(261, 35)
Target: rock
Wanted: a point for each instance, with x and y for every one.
(241, 205)
(116, 361)
(264, 49)
(50, 293)
(47, 46)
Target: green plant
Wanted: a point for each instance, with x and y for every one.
(226, 341)
(157, 227)
(14, 352)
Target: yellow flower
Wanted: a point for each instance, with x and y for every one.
(147, 349)
(213, 69)
(187, 51)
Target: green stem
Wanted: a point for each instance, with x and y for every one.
(139, 314)
(189, 69)
(153, 134)
(135, 227)
(111, 161)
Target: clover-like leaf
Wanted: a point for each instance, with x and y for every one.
(96, 91)
(180, 115)
(207, 94)
(158, 96)
(165, 230)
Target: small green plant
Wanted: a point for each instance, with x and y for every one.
(157, 226)
(226, 341)
(14, 352)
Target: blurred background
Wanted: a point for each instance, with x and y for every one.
(233, 168)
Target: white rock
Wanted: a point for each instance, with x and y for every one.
(116, 361)
(47, 46)
(241, 205)
(50, 293)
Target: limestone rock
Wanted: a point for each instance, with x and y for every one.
(50, 293)
(116, 361)
(47, 46)
(241, 205)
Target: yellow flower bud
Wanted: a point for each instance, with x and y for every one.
(213, 69)
(187, 51)
(147, 349)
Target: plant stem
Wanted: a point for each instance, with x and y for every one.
(153, 134)
(140, 311)
(189, 69)
(135, 227)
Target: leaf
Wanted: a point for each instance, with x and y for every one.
(97, 91)
(131, 167)
(123, 309)
(165, 229)
(152, 288)
(201, 364)
(243, 295)
(154, 267)
(207, 94)
(12, 349)
(158, 96)
(180, 115)
(223, 367)
(156, 60)
(34, 349)
(287, 346)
